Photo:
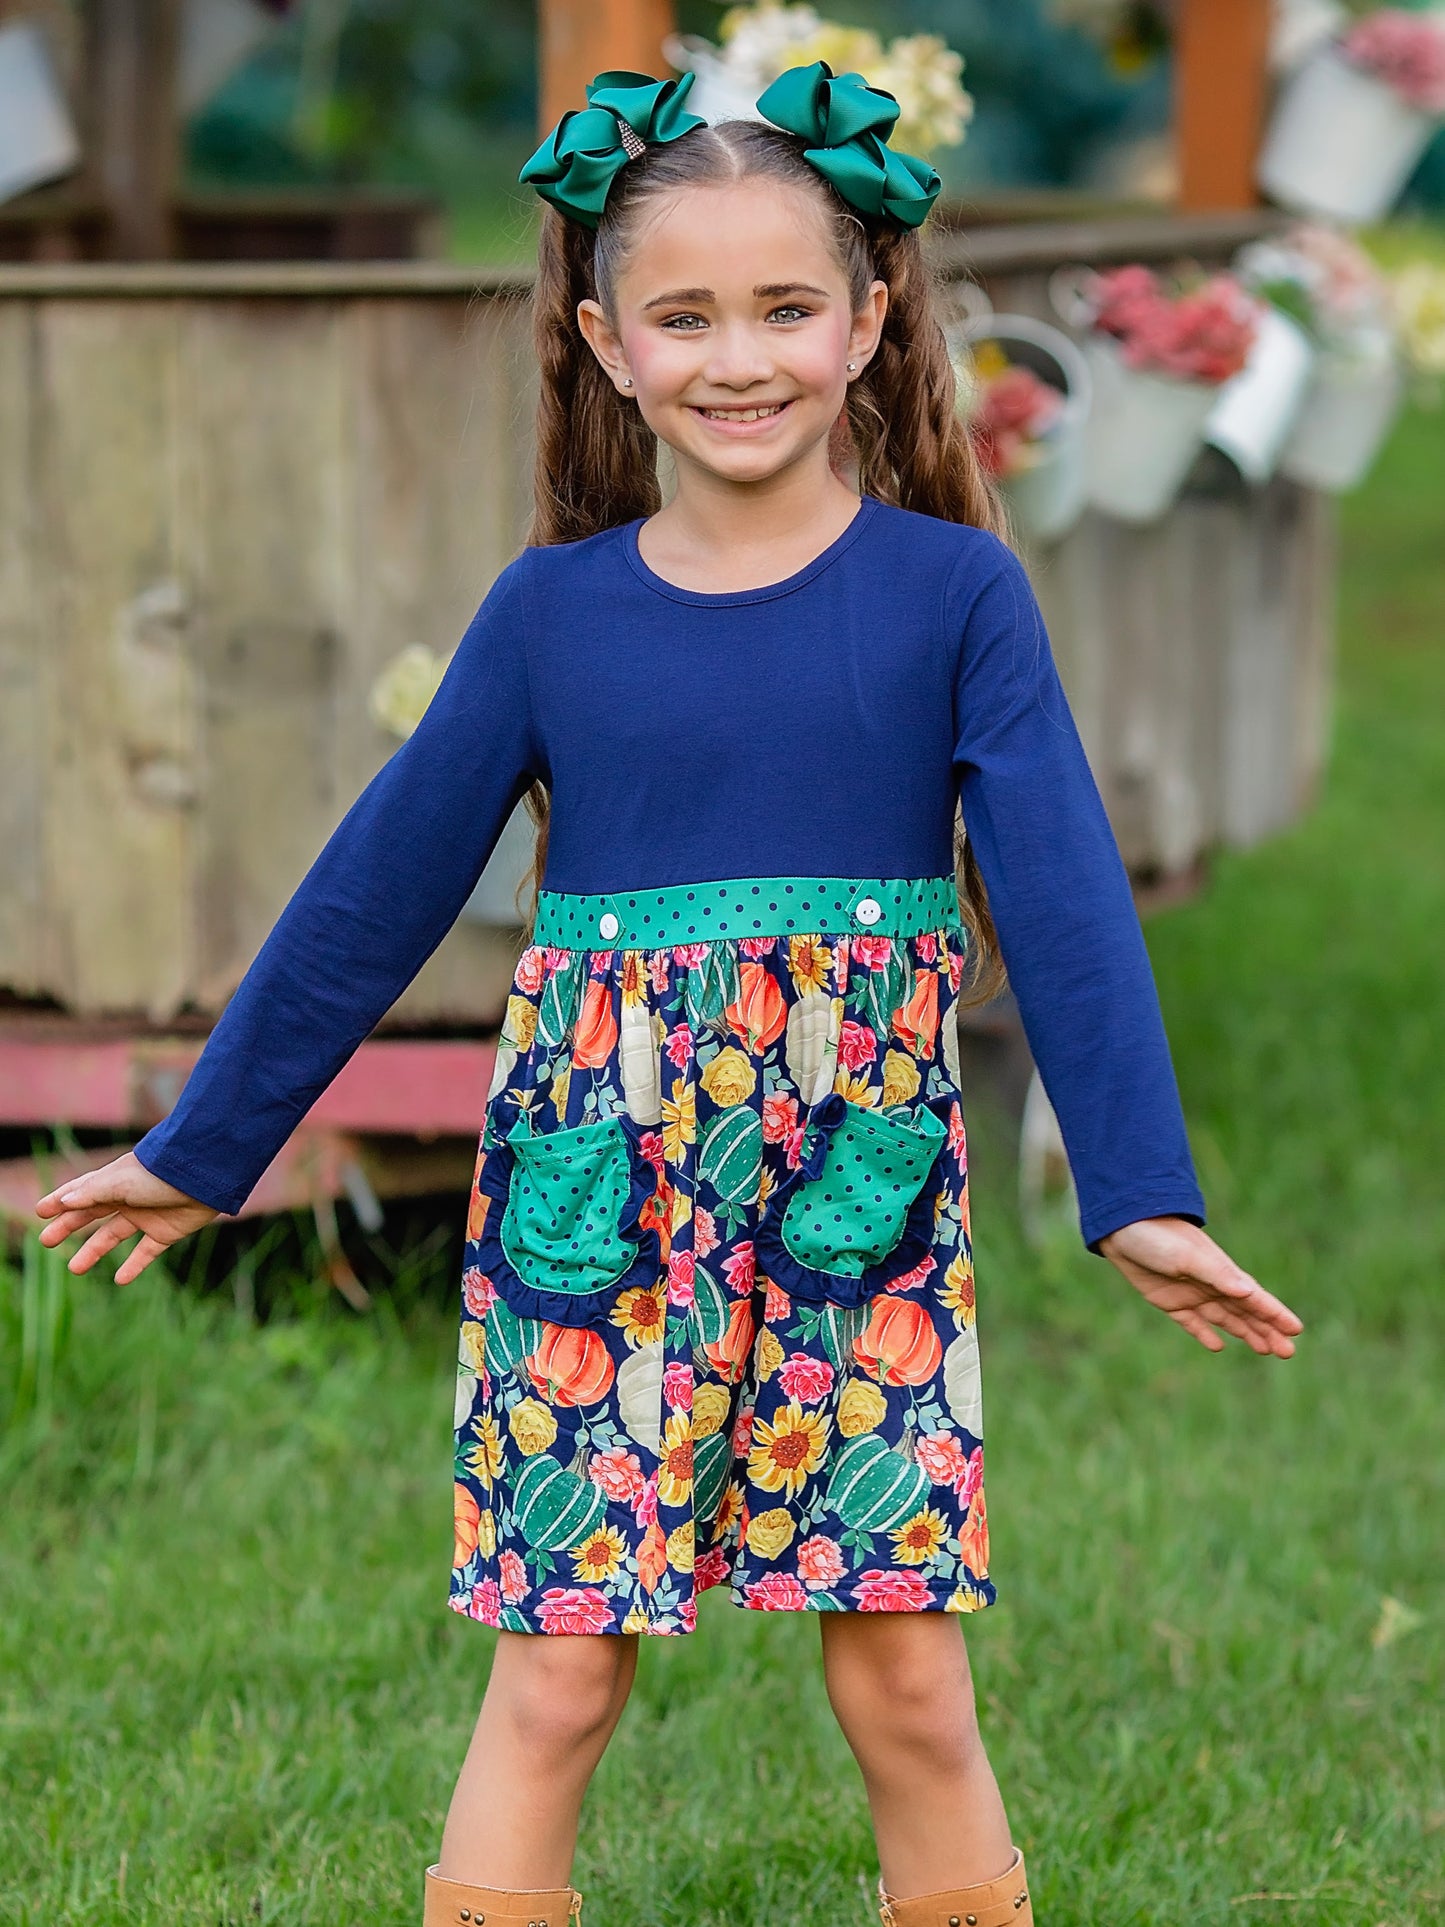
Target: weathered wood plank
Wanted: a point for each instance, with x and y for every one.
(23, 672)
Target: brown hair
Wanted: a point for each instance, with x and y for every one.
(596, 463)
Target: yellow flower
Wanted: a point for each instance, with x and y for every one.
(957, 1293)
(559, 1094)
(966, 1599)
(1420, 303)
(857, 1090)
(679, 1120)
(399, 696)
(861, 1408)
(636, 1620)
(900, 1077)
(729, 1078)
(680, 1544)
(674, 1472)
(810, 963)
(519, 1026)
(767, 1185)
(487, 1533)
(769, 1354)
(533, 1425)
(681, 1209)
(770, 1533)
(728, 1512)
(484, 1459)
(641, 1311)
(786, 1451)
(710, 1403)
(918, 1538)
(599, 1554)
(473, 1348)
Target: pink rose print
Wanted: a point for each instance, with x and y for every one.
(679, 1045)
(957, 1143)
(574, 1609)
(644, 1508)
(710, 1568)
(857, 1045)
(955, 969)
(704, 1232)
(680, 1279)
(777, 1592)
(890, 1592)
(926, 944)
(780, 1116)
(806, 1379)
(757, 946)
(820, 1561)
(486, 1602)
(618, 1472)
(515, 1583)
(677, 1385)
(652, 1150)
(478, 1291)
(908, 1280)
(742, 1430)
(873, 951)
(531, 970)
(556, 958)
(777, 1304)
(793, 1146)
(689, 954)
(601, 963)
(657, 971)
(740, 1270)
(973, 1479)
(687, 1613)
(941, 1456)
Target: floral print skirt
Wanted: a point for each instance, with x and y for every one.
(718, 1320)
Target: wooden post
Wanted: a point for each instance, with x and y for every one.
(1222, 78)
(132, 125)
(581, 38)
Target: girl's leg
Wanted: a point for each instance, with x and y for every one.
(551, 1704)
(900, 1686)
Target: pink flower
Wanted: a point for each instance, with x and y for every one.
(515, 1583)
(690, 955)
(1202, 333)
(942, 1458)
(757, 946)
(618, 1472)
(857, 1044)
(677, 1385)
(574, 1609)
(710, 1568)
(679, 1045)
(644, 1508)
(805, 1378)
(740, 1269)
(881, 1591)
(873, 951)
(780, 1116)
(1405, 50)
(687, 1613)
(1010, 414)
(657, 971)
(486, 1602)
(820, 1561)
(651, 1146)
(680, 1279)
(969, 1487)
(793, 1146)
(925, 945)
(776, 1305)
(742, 1431)
(531, 970)
(557, 956)
(907, 1280)
(776, 1592)
(704, 1233)
(478, 1291)
(957, 1141)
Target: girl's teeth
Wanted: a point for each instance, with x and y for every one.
(741, 414)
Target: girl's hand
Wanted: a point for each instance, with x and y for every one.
(127, 1198)
(1182, 1271)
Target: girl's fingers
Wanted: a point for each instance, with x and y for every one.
(113, 1232)
(59, 1229)
(1197, 1327)
(135, 1262)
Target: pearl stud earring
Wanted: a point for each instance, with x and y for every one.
(627, 381)
(852, 367)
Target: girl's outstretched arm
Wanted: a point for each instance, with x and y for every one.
(372, 908)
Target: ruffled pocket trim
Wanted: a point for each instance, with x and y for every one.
(593, 1306)
(914, 1244)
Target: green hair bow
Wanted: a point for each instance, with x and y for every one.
(575, 166)
(847, 123)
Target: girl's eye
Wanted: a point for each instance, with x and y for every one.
(790, 313)
(683, 323)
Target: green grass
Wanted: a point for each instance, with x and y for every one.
(230, 1691)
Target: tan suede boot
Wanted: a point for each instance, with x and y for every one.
(994, 1903)
(456, 1903)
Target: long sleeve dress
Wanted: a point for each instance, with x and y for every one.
(718, 1317)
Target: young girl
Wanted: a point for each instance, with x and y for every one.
(718, 1307)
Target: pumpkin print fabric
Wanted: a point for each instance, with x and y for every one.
(718, 1319)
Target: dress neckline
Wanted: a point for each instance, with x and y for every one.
(763, 592)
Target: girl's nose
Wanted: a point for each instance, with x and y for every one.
(738, 358)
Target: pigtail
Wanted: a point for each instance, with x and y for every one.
(913, 450)
(596, 463)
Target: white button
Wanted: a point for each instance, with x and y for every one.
(608, 925)
(869, 910)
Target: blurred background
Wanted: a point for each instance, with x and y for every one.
(265, 397)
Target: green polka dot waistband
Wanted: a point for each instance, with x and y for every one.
(734, 907)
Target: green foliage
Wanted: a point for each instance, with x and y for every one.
(230, 1690)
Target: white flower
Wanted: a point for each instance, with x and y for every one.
(1419, 292)
(923, 74)
(400, 694)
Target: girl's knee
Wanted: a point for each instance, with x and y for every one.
(561, 1691)
(908, 1682)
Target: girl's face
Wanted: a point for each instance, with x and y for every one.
(733, 321)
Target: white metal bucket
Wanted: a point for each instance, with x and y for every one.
(1255, 411)
(37, 136)
(1144, 432)
(1047, 499)
(1348, 411)
(1341, 143)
